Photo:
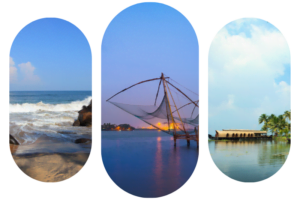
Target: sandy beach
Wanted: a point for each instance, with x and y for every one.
(45, 142)
(63, 170)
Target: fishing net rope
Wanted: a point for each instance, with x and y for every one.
(159, 117)
(164, 117)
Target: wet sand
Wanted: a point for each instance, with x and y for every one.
(50, 162)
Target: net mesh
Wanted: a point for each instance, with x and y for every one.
(159, 117)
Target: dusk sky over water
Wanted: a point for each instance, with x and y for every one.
(140, 43)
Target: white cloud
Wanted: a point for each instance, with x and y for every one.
(11, 62)
(12, 70)
(237, 24)
(228, 104)
(246, 68)
(276, 102)
(23, 75)
(27, 70)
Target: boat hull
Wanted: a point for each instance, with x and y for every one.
(240, 138)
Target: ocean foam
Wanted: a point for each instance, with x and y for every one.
(31, 107)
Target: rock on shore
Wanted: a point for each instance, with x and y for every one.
(85, 116)
(12, 140)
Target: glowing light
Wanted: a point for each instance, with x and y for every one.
(158, 139)
(163, 126)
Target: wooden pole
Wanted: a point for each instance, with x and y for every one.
(186, 105)
(166, 94)
(194, 110)
(157, 92)
(183, 94)
(133, 86)
(178, 114)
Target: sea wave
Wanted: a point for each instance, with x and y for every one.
(35, 107)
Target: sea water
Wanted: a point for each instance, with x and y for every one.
(146, 165)
(47, 117)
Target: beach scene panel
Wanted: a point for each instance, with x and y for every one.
(54, 112)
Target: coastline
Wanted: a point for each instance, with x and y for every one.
(49, 148)
(77, 173)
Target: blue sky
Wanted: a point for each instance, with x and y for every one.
(140, 43)
(50, 54)
(247, 68)
(249, 74)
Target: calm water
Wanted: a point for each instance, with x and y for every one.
(41, 119)
(145, 165)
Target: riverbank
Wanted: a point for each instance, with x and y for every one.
(282, 138)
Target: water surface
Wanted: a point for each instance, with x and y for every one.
(42, 121)
(145, 165)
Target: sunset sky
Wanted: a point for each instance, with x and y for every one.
(140, 43)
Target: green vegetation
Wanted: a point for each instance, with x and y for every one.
(113, 127)
(279, 126)
(282, 138)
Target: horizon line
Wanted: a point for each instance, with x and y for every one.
(48, 90)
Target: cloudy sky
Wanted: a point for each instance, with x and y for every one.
(50, 54)
(249, 74)
(140, 43)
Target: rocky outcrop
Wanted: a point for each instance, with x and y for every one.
(83, 140)
(12, 140)
(85, 116)
(13, 143)
(76, 123)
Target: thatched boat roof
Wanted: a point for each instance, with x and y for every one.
(237, 132)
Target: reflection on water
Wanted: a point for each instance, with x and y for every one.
(158, 170)
(256, 168)
(274, 154)
(145, 165)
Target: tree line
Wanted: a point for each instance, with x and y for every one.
(278, 125)
(114, 127)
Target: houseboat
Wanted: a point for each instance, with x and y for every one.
(236, 134)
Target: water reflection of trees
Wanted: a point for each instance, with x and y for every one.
(275, 152)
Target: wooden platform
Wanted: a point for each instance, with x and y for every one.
(187, 137)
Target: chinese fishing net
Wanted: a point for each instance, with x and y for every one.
(159, 117)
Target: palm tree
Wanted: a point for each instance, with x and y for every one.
(272, 116)
(264, 119)
(273, 124)
(285, 132)
(287, 115)
(277, 124)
